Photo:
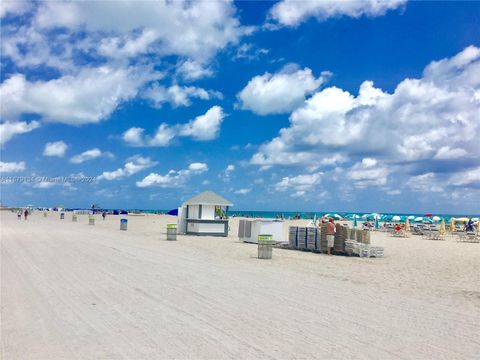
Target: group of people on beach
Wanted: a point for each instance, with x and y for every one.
(20, 212)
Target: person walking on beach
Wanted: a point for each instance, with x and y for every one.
(104, 215)
(25, 214)
(19, 214)
(330, 235)
(470, 225)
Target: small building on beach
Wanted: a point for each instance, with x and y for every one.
(204, 214)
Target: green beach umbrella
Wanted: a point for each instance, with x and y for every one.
(354, 221)
(377, 225)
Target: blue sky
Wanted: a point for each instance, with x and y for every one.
(304, 106)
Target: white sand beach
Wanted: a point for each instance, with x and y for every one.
(74, 291)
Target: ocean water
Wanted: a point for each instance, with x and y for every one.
(311, 215)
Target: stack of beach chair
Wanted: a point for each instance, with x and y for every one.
(304, 238)
(355, 248)
(349, 246)
(313, 238)
(361, 236)
(350, 241)
(341, 235)
(292, 237)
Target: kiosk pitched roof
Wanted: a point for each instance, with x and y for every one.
(208, 198)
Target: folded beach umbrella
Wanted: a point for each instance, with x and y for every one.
(407, 225)
(442, 230)
(452, 224)
(355, 222)
(377, 225)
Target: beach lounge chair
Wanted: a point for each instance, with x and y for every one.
(468, 237)
(433, 235)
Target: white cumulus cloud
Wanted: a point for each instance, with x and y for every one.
(203, 128)
(89, 155)
(89, 97)
(302, 182)
(133, 165)
(292, 12)
(281, 92)
(57, 148)
(428, 182)
(14, 7)
(446, 153)
(470, 177)
(368, 173)
(11, 166)
(10, 129)
(177, 95)
(190, 70)
(172, 178)
(165, 27)
(424, 120)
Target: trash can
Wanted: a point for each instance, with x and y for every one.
(172, 232)
(123, 224)
(44, 214)
(265, 244)
(74, 218)
(62, 216)
(91, 220)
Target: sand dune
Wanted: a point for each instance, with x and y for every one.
(74, 291)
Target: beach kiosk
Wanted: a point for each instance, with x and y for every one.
(204, 214)
(250, 230)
